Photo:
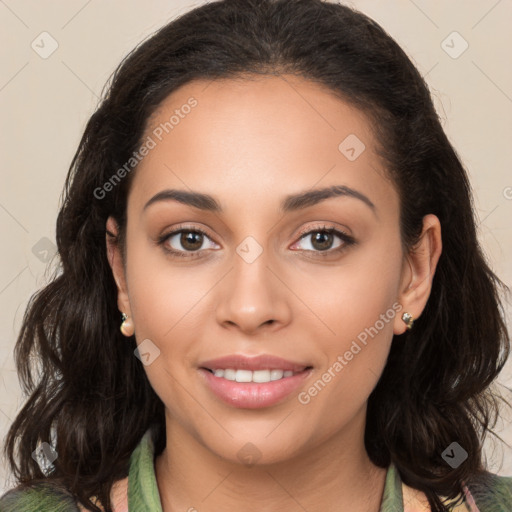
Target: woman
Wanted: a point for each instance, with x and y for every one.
(266, 202)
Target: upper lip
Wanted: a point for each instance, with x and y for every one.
(261, 362)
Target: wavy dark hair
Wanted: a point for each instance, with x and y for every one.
(91, 394)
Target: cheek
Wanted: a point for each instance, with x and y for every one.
(164, 295)
(164, 300)
(349, 299)
(357, 307)
(354, 361)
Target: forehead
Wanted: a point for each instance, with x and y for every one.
(247, 138)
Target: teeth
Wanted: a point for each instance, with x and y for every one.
(243, 376)
(252, 376)
(276, 374)
(261, 375)
(230, 374)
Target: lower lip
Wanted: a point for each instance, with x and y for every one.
(253, 395)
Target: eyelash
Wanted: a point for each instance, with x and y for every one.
(347, 240)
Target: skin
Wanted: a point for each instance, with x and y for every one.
(249, 143)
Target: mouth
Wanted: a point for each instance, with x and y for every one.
(253, 382)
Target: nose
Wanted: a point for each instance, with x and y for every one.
(253, 296)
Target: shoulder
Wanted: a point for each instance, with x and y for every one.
(40, 497)
(45, 497)
(486, 493)
(491, 493)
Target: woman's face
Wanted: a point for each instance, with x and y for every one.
(265, 280)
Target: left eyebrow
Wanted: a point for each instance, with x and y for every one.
(311, 197)
(290, 203)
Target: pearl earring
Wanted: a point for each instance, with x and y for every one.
(127, 326)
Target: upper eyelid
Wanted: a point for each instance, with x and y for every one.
(324, 227)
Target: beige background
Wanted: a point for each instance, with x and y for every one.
(45, 103)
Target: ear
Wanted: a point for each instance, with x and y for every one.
(418, 272)
(115, 260)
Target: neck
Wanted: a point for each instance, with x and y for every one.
(333, 475)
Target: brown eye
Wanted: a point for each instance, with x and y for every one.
(191, 240)
(324, 241)
(186, 242)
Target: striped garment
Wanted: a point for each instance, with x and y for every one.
(138, 492)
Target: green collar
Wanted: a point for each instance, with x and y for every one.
(142, 487)
(143, 492)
